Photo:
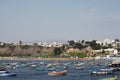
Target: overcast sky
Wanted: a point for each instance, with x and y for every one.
(30, 20)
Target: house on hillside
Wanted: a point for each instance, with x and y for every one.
(109, 51)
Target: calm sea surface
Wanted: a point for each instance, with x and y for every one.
(28, 73)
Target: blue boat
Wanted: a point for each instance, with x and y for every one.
(40, 68)
(51, 68)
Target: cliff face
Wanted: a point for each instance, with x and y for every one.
(25, 50)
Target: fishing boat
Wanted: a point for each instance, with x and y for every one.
(51, 68)
(7, 74)
(2, 70)
(101, 72)
(40, 68)
(107, 69)
(79, 68)
(55, 73)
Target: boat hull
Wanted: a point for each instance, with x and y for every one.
(54, 73)
(7, 74)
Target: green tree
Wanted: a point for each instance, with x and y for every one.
(81, 54)
(57, 51)
(78, 54)
(78, 45)
(117, 40)
(82, 41)
(103, 51)
(20, 42)
(109, 46)
(71, 42)
(94, 45)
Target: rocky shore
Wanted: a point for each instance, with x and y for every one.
(33, 58)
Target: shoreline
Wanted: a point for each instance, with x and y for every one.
(32, 58)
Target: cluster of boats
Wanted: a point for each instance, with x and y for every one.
(58, 68)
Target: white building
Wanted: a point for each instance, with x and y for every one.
(1, 43)
(115, 51)
(108, 41)
(99, 42)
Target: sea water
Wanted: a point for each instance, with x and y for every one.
(28, 73)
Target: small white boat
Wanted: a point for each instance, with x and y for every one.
(3, 71)
(101, 72)
(7, 74)
(79, 68)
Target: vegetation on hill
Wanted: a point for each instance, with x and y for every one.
(10, 50)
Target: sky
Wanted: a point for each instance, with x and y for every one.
(29, 20)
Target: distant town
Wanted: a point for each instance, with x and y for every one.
(71, 49)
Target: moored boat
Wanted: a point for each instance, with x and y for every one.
(3, 71)
(101, 72)
(40, 68)
(7, 74)
(51, 68)
(55, 73)
(79, 68)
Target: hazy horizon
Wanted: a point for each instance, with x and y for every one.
(30, 20)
